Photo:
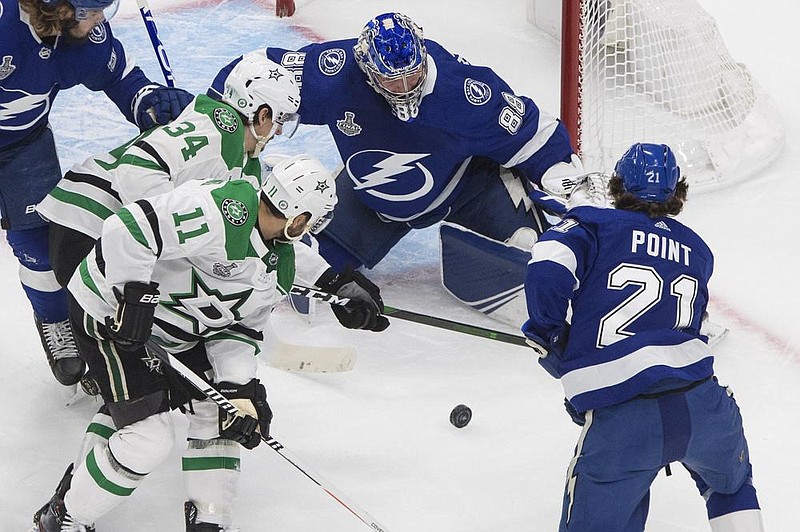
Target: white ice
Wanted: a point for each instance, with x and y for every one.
(380, 433)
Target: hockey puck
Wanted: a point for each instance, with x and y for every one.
(460, 416)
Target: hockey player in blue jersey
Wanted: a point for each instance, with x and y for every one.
(637, 372)
(426, 137)
(47, 46)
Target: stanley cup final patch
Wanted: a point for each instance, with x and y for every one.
(348, 125)
(6, 68)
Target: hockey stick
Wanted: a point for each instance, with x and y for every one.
(158, 47)
(221, 401)
(416, 317)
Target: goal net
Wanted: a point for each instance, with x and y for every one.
(658, 71)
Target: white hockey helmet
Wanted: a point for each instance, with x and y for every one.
(255, 81)
(299, 184)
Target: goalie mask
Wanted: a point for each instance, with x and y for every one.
(296, 185)
(649, 172)
(391, 52)
(256, 81)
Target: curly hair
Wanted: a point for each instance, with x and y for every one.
(628, 202)
(47, 20)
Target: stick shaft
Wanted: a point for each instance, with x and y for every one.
(158, 46)
(221, 401)
(417, 317)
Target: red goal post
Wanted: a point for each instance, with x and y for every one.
(658, 71)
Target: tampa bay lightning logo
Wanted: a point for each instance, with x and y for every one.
(20, 109)
(98, 34)
(390, 176)
(331, 61)
(477, 92)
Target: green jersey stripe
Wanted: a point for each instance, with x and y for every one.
(84, 202)
(130, 223)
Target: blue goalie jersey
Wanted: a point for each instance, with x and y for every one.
(33, 71)
(637, 289)
(404, 171)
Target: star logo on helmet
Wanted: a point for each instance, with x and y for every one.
(275, 74)
(322, 186)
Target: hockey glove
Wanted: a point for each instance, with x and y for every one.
(254, 417)
(136, 305)
(561, 178)
(156, 105)
(365, 307)
(579, 418)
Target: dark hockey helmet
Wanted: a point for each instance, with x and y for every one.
(83, 7)
(649, 171)
(391, 52)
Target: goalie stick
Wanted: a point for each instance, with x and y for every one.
(221, 401)
(416, 317)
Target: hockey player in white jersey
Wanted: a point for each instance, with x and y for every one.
(198, 270)
(210, 140)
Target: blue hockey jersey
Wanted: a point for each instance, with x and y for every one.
(637, 288)
(404, 170)
(33, 71)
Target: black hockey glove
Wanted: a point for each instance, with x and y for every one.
(365, 307)
(131, 326)
(247, 427)
(579, 418)
(159, 105)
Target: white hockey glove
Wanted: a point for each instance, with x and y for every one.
(561, 178)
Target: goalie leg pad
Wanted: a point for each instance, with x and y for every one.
(484, 274)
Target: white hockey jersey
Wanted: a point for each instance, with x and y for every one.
(218, 279)
(205, 142)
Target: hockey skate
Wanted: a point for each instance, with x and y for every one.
(190, 511)
(62, 353)
(53, 516)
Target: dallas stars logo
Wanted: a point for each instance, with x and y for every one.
(152, 362)
(205, 308)
(225, 119)
(322, 186)
(275, 74)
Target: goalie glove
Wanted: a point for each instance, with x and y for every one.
(130, 327)
(561, 178)
(254, 417)
(365, 308)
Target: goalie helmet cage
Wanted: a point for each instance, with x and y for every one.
(658, 71)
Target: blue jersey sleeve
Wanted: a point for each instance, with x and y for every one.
(558, 261)
(111, 70)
